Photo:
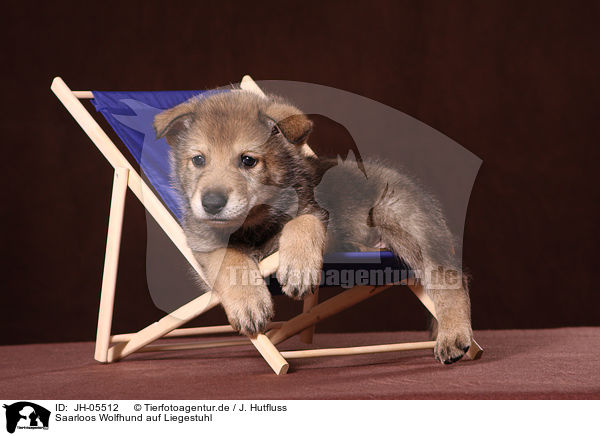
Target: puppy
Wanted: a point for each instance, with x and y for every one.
(248, 190)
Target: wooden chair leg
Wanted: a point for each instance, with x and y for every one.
(311, 301)
(271, 354)
(420, 293)
(324, 310)
(111, 263)
(475, 350)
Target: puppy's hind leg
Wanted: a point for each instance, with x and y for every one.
(453, 311)
(423, 241)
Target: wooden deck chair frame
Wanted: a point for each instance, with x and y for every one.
(110, 348)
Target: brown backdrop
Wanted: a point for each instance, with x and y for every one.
(516, 83)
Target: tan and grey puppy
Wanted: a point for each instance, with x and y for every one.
(248, 190)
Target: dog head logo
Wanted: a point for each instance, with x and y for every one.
(26, 415)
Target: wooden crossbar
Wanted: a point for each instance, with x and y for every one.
(193, 331)
(365, 349)
(195, 345)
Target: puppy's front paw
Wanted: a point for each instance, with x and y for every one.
(301, 255)
(299, 271)
(452, 342)
(251, 310)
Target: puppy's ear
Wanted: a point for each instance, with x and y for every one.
(172, 122)
(292, 123)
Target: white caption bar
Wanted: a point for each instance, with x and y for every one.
(23, 417)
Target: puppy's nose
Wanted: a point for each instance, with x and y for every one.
(214, 201)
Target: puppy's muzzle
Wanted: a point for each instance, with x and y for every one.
(214, 201)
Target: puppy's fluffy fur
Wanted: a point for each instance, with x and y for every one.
(248, 190)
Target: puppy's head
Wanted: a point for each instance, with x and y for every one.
(233, 153)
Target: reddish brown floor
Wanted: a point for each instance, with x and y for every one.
(558, 363)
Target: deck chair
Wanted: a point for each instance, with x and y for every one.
(160, 205)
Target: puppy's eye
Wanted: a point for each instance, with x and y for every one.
(275, 130)
(249, 161)
(198, 161)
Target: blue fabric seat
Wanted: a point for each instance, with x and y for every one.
(130, 114)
